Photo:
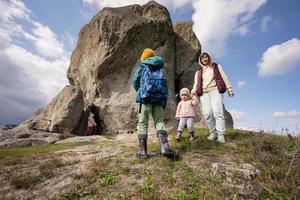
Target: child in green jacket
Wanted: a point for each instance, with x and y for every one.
(150, 83)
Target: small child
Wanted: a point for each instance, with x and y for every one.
(185, 113)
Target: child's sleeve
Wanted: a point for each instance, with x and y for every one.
(195, 100)
(136, 78)
(178, 110)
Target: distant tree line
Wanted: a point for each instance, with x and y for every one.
(9, 126)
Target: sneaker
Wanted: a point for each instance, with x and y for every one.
(221, 139)
(212, 136)
(192, 138)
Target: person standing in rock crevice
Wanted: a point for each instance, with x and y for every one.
(210, 82)
(152, 92)
(91, 125)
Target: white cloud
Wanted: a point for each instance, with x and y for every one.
(10, 10)
(280, 58)
(31, 75)
(216, 20)
(238, 117)
(237, 114)
(48, 76)
(265, 21)
(46, 42)
(241, 84)
(282, 115)
(290, 118)
(241, 121)
(243, 30)
(292, 122)
(70, 40)
(13, 8)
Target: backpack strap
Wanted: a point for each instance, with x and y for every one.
(140, 108)
(143, 66)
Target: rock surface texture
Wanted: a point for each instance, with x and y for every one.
(107, 54)
(61, 115)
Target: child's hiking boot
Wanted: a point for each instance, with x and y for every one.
(142, 154)
(178, 136)
(221, 138)
(192, 137)
(212, 136)
(165, 149)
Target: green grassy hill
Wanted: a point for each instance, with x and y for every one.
(248, 166)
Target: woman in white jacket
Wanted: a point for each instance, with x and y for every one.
(210, 82)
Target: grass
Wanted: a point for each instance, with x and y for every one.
(149, 187)
(45, 171)
(25, 181)
(27, 155)
(20, 152)
(278, 160)
(156, 178)
(77, 192)
(109, 178)
(125, 177)
(169, 178)
(30, 180)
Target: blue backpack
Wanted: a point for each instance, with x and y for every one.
(153, 85)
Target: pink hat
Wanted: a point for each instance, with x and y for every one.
(185, 91)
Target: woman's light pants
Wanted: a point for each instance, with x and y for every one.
(212, 108)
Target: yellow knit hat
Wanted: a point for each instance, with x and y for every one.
(147, 53)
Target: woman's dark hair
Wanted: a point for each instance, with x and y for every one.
(205, 54)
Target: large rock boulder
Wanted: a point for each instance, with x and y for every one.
(61, 115)
(21, 136)
(45, 126)
(107, 54)
(228, 119)
(188, 49)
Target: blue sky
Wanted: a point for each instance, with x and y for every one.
(256, 41)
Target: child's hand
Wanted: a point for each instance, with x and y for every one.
(177, 118)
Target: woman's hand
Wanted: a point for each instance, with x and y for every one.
(230, 93)
(193, 93)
